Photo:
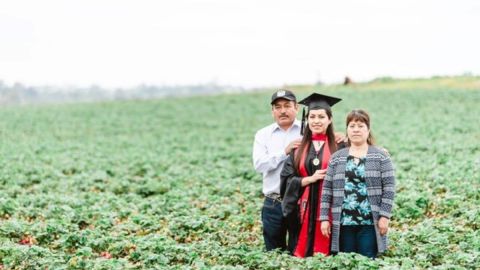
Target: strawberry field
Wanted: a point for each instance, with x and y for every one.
(169, 184)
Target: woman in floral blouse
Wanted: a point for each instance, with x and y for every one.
(358, 189)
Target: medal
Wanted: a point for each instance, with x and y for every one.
(316, 161)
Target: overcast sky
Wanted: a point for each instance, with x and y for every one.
(248, 43)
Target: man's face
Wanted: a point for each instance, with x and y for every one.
(284, 112)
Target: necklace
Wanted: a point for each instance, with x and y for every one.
(316, 161)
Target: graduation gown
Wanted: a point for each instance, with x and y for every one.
(302, 215)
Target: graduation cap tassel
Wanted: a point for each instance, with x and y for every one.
(303, 121)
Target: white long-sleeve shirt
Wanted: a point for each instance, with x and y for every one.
(269, 153)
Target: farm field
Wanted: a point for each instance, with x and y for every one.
(169, 184)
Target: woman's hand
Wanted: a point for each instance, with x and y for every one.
(383, 225)
(325, 228)
(319, 174)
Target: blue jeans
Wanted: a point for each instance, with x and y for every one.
(359, 239)
(274, 225)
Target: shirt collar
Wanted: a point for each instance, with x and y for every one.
(295, 124)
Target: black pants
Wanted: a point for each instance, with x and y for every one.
(359, 239)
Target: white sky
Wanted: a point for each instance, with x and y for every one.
(240, 42)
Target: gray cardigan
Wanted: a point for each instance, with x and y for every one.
(380, 180)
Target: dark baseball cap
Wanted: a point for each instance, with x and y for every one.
(283, 94)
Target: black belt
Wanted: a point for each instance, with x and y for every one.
(274, 196)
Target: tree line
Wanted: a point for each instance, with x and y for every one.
(19, 93)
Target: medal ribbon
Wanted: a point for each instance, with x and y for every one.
(318, 138)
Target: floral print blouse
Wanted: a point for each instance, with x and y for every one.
(356, 208)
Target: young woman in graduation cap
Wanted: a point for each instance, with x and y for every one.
(303, 174)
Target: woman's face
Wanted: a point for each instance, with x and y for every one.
(318, 121)
(357, 132)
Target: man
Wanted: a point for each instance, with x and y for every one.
(271, 147)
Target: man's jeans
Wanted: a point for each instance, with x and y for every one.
(274, 225)
(359, 239)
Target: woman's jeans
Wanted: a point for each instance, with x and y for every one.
(359, 239)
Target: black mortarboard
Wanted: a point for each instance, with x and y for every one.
(317, 101)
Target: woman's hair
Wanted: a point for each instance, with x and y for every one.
(360, 116)
(307, 138)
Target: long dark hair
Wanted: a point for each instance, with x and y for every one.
(307, 138)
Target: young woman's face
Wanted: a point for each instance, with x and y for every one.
(357, 132)
(318, 121)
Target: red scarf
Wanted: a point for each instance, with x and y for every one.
(321, 244)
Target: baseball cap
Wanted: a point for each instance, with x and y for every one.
(283, 94)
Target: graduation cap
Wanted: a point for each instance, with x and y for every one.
(317, 101)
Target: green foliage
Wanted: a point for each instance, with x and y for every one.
(169, 184)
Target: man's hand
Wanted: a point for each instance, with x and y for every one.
(325, 228)
(383, 225)
(293, 145)
(340, 137)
